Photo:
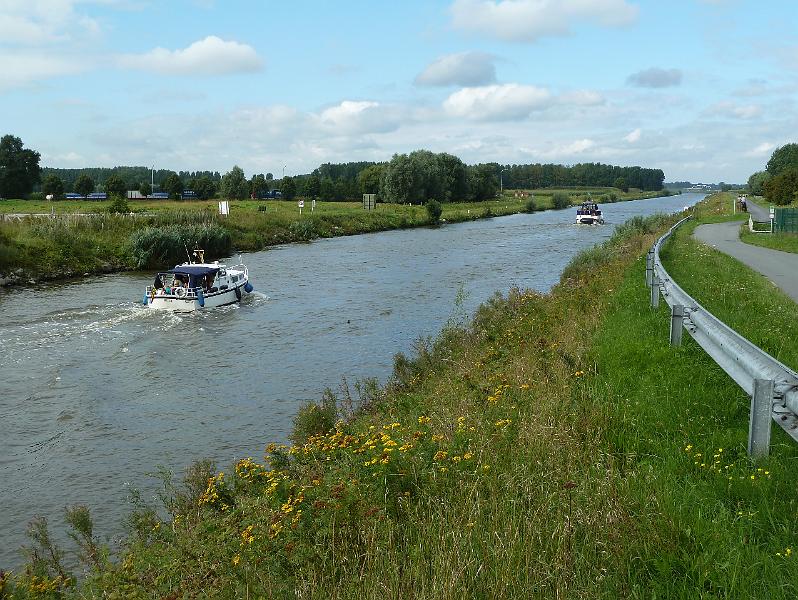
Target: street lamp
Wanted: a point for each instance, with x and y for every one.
(284, 171)
(501, 181)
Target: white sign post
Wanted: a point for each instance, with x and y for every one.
(313, 205)
(301, 205)
(224, 208)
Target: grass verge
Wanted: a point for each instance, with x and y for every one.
(554, 447)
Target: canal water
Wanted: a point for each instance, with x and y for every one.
(98, 392)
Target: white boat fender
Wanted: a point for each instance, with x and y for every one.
(238, 293)
(200, 297)
(248, 287)
(180, 292)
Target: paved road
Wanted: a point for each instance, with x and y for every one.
(780, 267)
(758, 213)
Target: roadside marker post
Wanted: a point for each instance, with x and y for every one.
(655, 291)
(301, 205)
(677, 324)
(759, 424)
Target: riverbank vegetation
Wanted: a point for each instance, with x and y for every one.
(555, 446)
(85, 237)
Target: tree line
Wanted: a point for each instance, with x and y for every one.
(778, 183)
(416, 177)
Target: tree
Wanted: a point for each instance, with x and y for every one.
(53, 185)
(269, 177)
(19, 168)
(327, 190)
(756, 183)
(258, 185)
(204, 187)
(234, 185)
(369, 179)
(288, 188)
(173, 185)
(783, 158)
(455, 181)
(434, 211)
(115, 186)
(312, 186)
(145, 189)
(783, 188)
(620, 183)
(483, 183)
(84, 185)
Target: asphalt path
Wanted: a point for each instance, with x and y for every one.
(779, 267)
(758, 213)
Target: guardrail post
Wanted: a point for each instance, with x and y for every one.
(759, 424)
(654, 291)
(649, 267)
(677, 324)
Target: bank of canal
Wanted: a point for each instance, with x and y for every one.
(98, 391)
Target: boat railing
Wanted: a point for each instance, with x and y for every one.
(190, 293)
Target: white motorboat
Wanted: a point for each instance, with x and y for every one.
(589, 214)
(198, 285)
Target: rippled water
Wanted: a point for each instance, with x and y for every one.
(98, 391)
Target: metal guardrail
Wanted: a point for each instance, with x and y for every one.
(773, 387)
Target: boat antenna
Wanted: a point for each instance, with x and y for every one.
(187, 252)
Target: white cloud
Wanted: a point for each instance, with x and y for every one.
(21, 69)
(763, 149)
(731, 110)
(583, 98)
(209, 56)
(497, 102)
(360, 117)
(530, 20)
(634, 136)
(41, 22)
(655, 78)
(564, 150)
(463, 69)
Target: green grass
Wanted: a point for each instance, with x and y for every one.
(786, 242)
(557, 446)
(72, 245)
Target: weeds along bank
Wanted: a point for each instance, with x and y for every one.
(72, 245)
(497, 463)
(556, 446)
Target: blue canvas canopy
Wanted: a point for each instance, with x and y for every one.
(196, 273)
(198, 270)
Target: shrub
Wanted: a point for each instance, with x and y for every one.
(119, 205)
(561, 200)
(315, 418)
(434, 211)
(530, 206)
(154, 247)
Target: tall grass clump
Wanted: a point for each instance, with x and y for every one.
(561, 200)
(626, 235)
(155, 247)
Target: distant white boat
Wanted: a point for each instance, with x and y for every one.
(589, 214)
(197, 285)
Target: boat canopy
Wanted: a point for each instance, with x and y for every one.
(196, 273)
(198, 270)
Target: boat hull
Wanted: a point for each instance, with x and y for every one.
(175, 303)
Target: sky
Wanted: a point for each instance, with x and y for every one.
(703, 89)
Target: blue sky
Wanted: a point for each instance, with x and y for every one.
(704, 89)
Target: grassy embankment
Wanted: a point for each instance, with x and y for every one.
(555, 447)
(786, 242)
(73, 245)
